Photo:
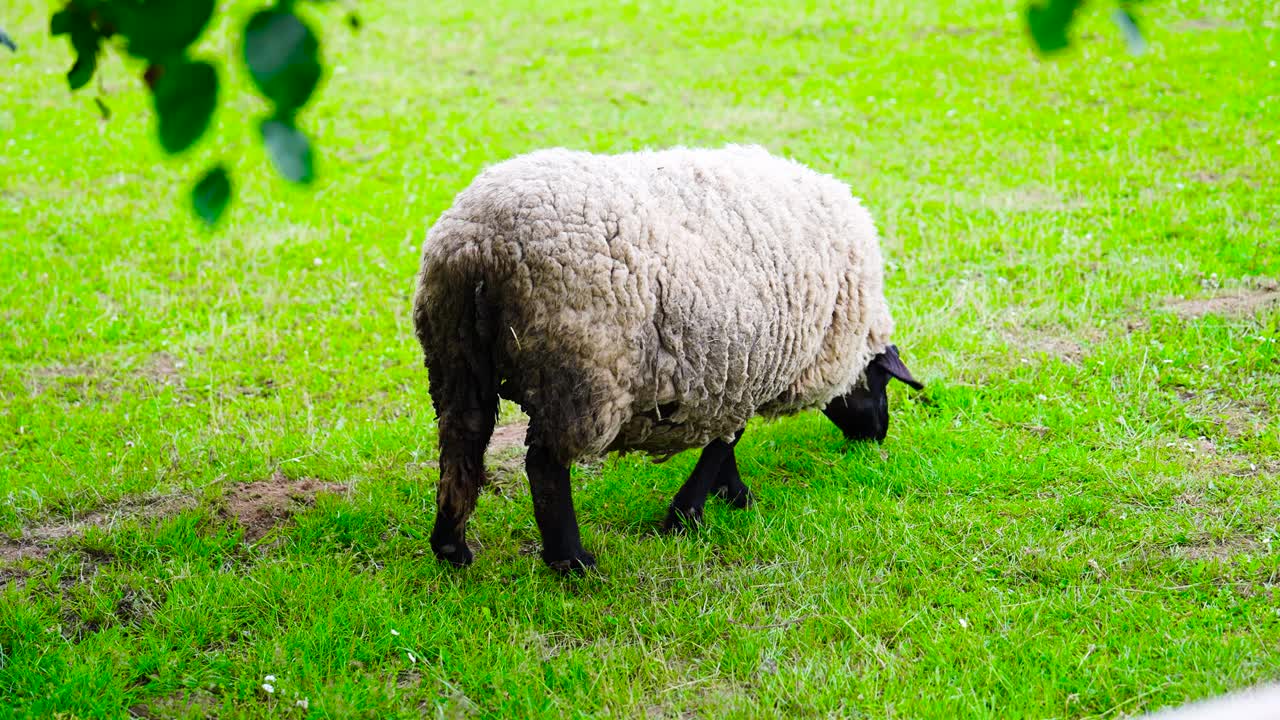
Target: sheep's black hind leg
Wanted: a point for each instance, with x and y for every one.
(716, 468)
(553, 510)
(461, 477)
(728, 484)
(463, 437)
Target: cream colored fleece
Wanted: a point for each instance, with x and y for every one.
(655, 301)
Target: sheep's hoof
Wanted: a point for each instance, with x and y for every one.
(577, 563)
(679, 521)
(456, 554)
(740, 498)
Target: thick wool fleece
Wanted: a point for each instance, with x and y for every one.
(653, 301)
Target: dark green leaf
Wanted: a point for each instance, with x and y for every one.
(185, 95)
(103, 110)
(160, 29)
(7, 41)
(289, 150)
(283, 58)
(1049, 21)
(60, 23)
(82, 71)
(85, 40)
(211, 195)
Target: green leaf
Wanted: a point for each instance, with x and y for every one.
(61, 22)
(85, 40)
(160, 29)
(82, 71)
(211, 195)
(185, 95)
(7, 41)
(289, 150)
(1049, 21)
(283, 58)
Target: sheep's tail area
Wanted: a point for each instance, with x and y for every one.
(455, 325)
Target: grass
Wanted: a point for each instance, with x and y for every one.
(1077, 518)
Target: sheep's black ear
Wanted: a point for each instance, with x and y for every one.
(892, 364)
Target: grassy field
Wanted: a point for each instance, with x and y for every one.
(216, 450)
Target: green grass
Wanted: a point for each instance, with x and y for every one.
(1078, 517)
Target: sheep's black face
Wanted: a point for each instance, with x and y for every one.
(863, 414)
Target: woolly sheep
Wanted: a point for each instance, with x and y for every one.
(651, 301)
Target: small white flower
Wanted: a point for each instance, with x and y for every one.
(412, 659)
(302, 703)
(964, 623)
(270, 678)
(268, 687)
(318, 261)
(395, 632)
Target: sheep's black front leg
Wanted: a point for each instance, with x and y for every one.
(553, 509)
(716, 470)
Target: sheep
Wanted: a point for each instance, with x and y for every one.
(651, 301)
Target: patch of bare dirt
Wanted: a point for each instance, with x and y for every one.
(1068, 348)
(164, 370)
(1227, 176)
(506, 437)
(1062, 348)
(261, 506)
(1240, 302)
(1224, 551)
(408, 679)
(1209, 460)
(504, 460)
(957, 31)
(160, 369)
(37, 541)
(1238, 465)
(954, 31)
(10, 574)
(257, 507)
(181, 703)
(732, 119)
(1205, 24)
(1032, 198)
(1235, 419)
(40, 379)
